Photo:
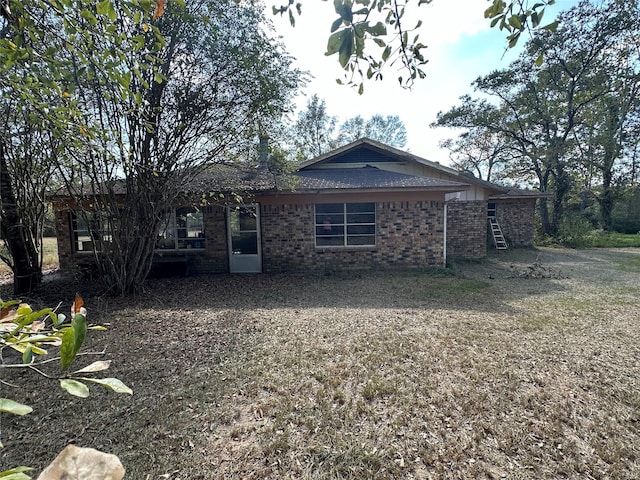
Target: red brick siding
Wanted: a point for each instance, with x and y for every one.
(516, 219)
(408, 234)
(467, 229)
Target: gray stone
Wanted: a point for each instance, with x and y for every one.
(76, 463)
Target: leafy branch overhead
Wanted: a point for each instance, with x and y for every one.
(361, 24)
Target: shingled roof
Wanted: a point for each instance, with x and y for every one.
(370, 178)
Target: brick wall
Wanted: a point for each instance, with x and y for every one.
(516, 219)
(63, 236)
(408, 234)
(467, 229)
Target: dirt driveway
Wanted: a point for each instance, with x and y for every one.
(520, 366)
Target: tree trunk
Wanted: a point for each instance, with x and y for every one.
(27, 272)
(562, 184)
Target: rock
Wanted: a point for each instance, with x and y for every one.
(75, 463)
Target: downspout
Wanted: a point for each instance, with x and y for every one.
(444, 249)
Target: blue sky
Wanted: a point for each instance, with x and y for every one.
(461, 47)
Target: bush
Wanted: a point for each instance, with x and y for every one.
(574, 231)
(625, 217)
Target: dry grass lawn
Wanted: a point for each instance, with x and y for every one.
(520, 366)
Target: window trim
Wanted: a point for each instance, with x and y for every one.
(345, 224)
(197, 244)
(76, 216)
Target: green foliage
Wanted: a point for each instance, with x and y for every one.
(574, 232)
(33, 334)
(563, 125)
(626, 213)
(601, 239)
(361, 24)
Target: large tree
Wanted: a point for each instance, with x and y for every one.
(389, 130)
(184, 98)
(314, 130)
(541, 108)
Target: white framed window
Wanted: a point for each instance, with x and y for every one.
(86, 227)
(182, 229)
(345, 224)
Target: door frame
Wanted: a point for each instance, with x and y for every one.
(251, 263)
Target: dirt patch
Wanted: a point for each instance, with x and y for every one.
(523, 365)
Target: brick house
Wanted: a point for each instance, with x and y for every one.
(363, 205)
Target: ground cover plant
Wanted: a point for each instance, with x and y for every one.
(522, 365)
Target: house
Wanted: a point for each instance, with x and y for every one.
(363, 205)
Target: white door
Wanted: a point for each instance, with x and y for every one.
(243, 230)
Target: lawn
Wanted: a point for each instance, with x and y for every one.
(520, 366)
(49, 255)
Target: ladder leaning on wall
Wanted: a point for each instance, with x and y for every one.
(498, 237)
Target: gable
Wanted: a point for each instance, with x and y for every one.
(369, 153)
(365, 154)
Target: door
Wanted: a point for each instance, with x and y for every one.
(243, 229)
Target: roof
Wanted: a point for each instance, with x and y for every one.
(369, 177)
(361, 165)
(513, 193)
(371, 152)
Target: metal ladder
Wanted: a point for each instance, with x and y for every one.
(498, 237)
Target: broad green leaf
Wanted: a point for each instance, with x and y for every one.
(90, 17)
(79, 325)
(67, 349)
(552, 27)
(386, 53)
(540, 60)
(336, 25)
(111, 383)
(514, 21)
(103, 7)
(95, 367)
(334, 42)
(75, 388)
(346, 48)
(27, 356)
(377, 30)
(10, 406)
(16, 476)
(15, 473)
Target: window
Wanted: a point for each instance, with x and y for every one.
(85, 228)
(491, 210)
(345, 224)
(182, 228)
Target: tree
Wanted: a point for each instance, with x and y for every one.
(541, 108)
(173, 103)
(314, 131)
(481, 152)
(28, 104)
(389, 130)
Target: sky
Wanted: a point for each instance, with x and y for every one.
(461, 47)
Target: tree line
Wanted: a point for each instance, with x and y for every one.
(564, 117)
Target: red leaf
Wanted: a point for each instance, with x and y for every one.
(77, 305)
(161, 5)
